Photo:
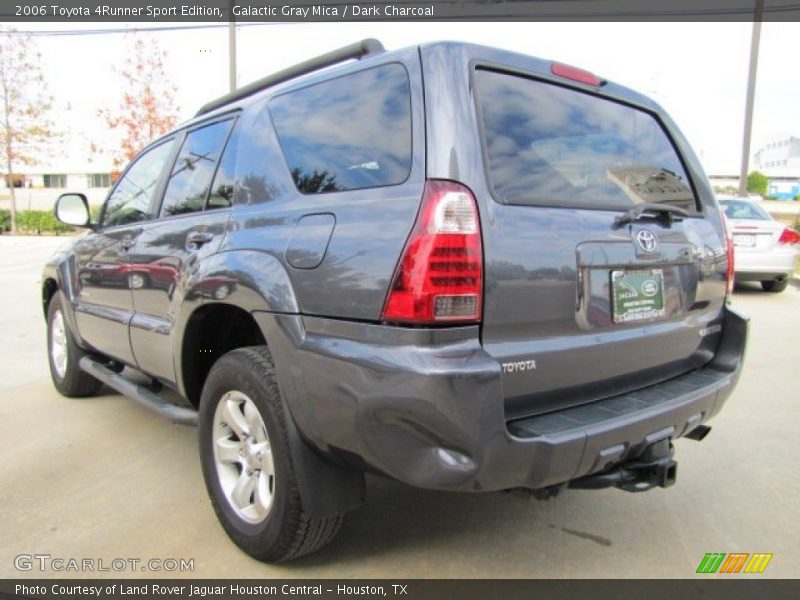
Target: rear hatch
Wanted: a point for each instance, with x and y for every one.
(586, 298)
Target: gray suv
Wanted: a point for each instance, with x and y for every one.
(458, 267)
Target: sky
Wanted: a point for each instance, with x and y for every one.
(696, 71)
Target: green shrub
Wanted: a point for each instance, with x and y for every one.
(94, 213)
(757, 183)
(39, 222)
(5, 220)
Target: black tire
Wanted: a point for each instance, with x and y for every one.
(775, 285)
(74, 383)
(286, 532)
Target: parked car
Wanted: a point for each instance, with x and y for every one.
(765, 250)
(455, 266)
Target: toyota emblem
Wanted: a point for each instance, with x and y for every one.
(646, 240)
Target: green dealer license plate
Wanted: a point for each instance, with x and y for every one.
(637, 295)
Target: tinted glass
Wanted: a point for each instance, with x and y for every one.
(349, 133)
(221, 195)
(551, 146)
(130, 200)
(190, 179)
(739, 209)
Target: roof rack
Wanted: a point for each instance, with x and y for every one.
(368, 47)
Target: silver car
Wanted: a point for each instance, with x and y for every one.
(764, 249)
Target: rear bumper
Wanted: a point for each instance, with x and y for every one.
(426, 406)
(756, 266)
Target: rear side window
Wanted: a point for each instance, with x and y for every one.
(190, 180)
(349, 133)
(551, 146)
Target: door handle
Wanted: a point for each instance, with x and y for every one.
(127, 243)
(195, 239)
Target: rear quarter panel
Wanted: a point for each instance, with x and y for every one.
(369, 226)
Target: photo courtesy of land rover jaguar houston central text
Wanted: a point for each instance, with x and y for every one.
(455, 266)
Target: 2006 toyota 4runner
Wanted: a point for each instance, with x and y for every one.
(459, 267)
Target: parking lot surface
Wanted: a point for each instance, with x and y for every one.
(103, 479)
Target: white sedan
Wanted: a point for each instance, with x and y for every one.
(764, 249)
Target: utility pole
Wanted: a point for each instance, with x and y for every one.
(751, 93)
(231, 51)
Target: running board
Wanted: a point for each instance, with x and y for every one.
(139, 393)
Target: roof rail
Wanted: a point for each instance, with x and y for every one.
(358, 50)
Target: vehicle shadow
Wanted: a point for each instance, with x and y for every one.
(748, 288)
(753, 288)
(397, 517)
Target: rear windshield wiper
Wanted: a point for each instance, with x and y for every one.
(666, 211)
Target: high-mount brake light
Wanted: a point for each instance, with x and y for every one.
(575, 74)
(440, 275)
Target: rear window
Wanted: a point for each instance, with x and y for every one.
(551, 146)
(740, 209)
(349, 133)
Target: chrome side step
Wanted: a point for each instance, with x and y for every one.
(139, 393)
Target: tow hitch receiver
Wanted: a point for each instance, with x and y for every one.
(665, 473)
(653, 468)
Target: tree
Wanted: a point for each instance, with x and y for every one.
(757, 183)
(25, 127)
(147, 109)
(313, 183)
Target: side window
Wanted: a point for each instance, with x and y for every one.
(190, 180)
(221, 195)
(349, 133)
(130, 200)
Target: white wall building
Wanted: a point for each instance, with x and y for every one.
(37, 186)
(779, 157)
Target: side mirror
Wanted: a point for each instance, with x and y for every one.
(73, 209)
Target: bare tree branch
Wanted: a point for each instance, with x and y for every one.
(147, 108)
(25, 127)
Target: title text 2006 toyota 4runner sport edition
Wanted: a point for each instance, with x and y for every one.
(455, 266)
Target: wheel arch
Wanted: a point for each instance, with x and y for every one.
(49, 289)
(56, 278)
(255, 281)
(211, 331)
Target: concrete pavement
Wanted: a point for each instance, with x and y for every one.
(102, 478)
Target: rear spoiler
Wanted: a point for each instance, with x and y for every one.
(368, 47)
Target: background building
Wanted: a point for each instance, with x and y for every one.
(779, 160)
(38, 186)
(779, 156)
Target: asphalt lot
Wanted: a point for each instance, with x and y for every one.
(102, 478)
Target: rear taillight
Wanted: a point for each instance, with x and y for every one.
(789, 236)
(729, 252)
(440, 274)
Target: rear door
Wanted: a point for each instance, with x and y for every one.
(579, 305)
(191, 224)
(104, 305)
